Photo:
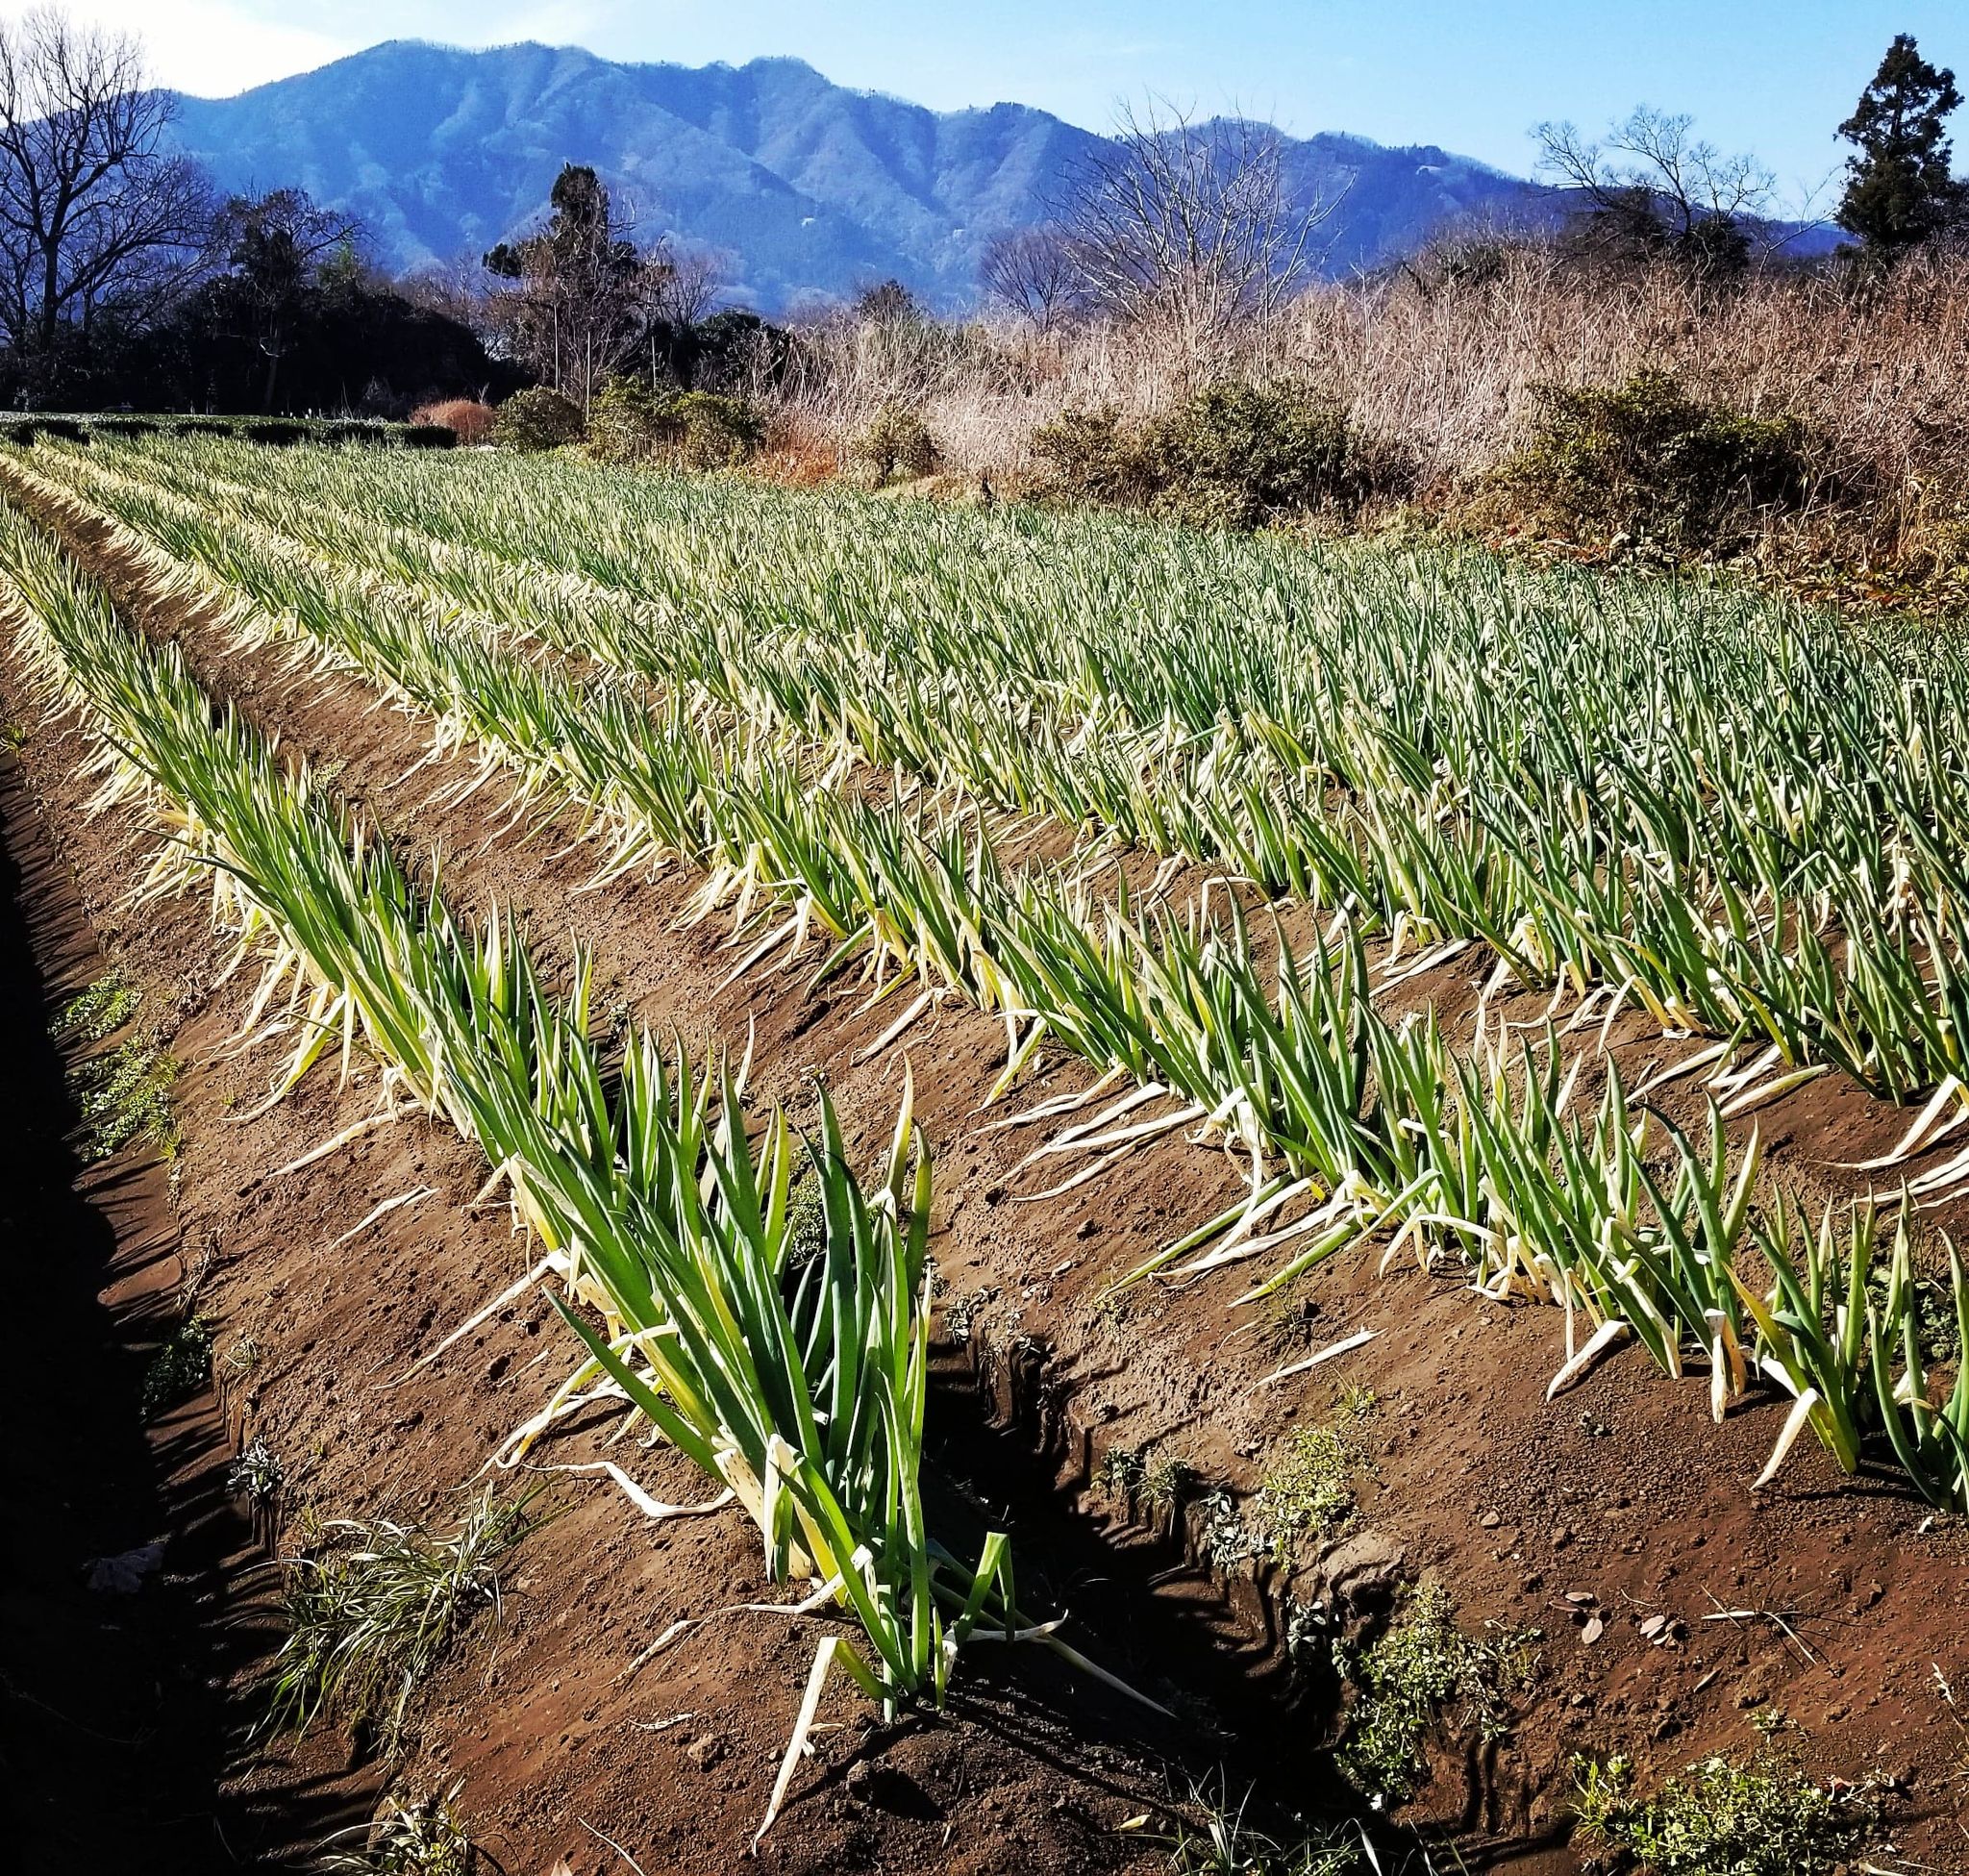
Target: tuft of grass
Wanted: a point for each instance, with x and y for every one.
(1164, 1485)
(423, 1837)
(244, 1354)
(1226, 1843)
(1758, 1816)
(125, 1098)
(375, 1610)
(178, 1368)
(1286, 1324)
(1422, 1673)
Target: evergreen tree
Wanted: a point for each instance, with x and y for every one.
(1899, 188)
(584, 296)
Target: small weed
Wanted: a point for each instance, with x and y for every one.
(1934, 1311)
(1355, 1401)
(1309, 1493)
(125, 1096)
(1309, 1631)
(243, 1357)
(14, 737)
(179, 1370)
(372, 1614)
(1760, 1818)
(1224, 1538)
(1120, 1471)
(101, 1009)
(1421, 1670)
(1164, 1485)
(1288, 1325)
(806, 1228)
(1168, 1484)
(961, 1316)
(420, 1839)
(256, 1473)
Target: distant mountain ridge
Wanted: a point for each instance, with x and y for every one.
(807, 186)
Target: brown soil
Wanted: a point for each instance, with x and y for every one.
(1621, 1491)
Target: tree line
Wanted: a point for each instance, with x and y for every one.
(125, 279)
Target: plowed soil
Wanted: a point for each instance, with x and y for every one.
(1582, 1518)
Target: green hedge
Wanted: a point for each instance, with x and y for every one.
(25, 426)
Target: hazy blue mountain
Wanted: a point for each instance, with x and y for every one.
(809, 186)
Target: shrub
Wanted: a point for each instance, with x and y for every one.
(465, 417)
(632, 422)
(1234, 455)
(539, 418)
(1092, 456)
(897, 442)
(718, 431)
(1238, 456)
(1644, 460)
(628, 422)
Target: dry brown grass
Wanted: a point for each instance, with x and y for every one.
(470, 420)
(1445, 358)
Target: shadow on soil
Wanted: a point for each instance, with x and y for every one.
(117, 1726)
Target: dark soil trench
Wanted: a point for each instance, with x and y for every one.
(118, 1723)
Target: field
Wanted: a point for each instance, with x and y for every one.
(1146, 1164)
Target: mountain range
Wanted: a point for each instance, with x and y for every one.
(804, 187)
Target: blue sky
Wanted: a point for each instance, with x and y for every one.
(1774, 77)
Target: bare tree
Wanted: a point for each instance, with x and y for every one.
(1034, 272)
(93, 207)
(1653, 184)
(1189, 226)
(692, 279)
